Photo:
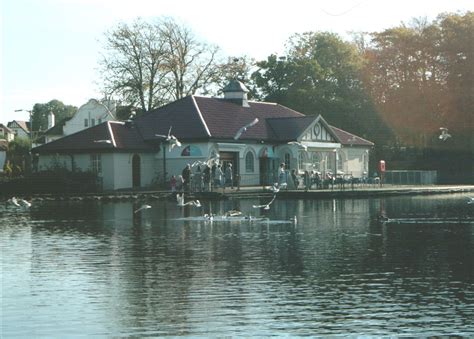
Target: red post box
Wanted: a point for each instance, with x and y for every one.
(382, 166)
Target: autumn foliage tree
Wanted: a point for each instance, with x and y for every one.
(421, 77)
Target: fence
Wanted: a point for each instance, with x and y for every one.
(411, 177)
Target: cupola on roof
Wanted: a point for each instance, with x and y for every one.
(235, 86)
(236, 92)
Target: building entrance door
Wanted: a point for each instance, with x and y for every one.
(227, 158)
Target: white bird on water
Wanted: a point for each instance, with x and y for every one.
(19, 202)
(444, 134)
(181, 203)
(243, 129)
(299, 144)
(171, 139)
(265, 206)
(144, 207)
(470, 200)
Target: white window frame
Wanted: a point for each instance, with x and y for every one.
(96, 163)
(249, 162)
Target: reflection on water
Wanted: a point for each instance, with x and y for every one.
(91, 268)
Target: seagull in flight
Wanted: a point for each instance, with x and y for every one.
(144, 207)
(299, 144)
(470, 200)
(265, 206)
(243, 129)
(444, 134)
(233, 213)
(106, 141)
(171, 139)
(275, 188)
(181, 203)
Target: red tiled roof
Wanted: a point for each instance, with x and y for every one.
(110, 136)
(197, 118)
(286, 129)
(182, 115)
(346, 138)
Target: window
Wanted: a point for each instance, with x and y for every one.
(86, 123)
(99, 121)
(287, 161)
(191, 151)
(96, 163)
(249, 162)
(316, 160)
(340, 161)
(92, 122)
(301, 157)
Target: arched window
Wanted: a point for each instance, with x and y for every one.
(287, 160)
(191, 151)
(249, 162)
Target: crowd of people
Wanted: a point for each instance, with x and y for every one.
(204, 178)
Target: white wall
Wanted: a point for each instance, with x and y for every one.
(356, 160)
(93, 111)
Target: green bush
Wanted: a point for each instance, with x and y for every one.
(51, 181)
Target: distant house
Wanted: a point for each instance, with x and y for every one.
(6, 133)
(134, 154)
(20, 128)
(92, 113)
(3, 153)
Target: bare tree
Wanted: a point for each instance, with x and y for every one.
(150, 64)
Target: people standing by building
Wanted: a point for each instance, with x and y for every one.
(306, 181)
(218, 176)
(173, 183)
(229, 177)
(294, 178)
(186, 177)
(282, 179)
(206, 177)
(197, 179)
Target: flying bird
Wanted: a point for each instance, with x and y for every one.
(170, 139)
(144, 207)
(107, 141)
(275, 188)
(299, 144)
(470, 200)
(265, 206)
(243, 129)
(181, 203)
(444, 134)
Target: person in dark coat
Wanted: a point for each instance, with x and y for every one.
(186, 177)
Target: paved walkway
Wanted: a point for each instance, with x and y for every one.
(348, 191)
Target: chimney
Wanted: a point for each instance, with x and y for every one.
(50, 119)
(236, 92)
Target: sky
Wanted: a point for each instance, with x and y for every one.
(50, 48)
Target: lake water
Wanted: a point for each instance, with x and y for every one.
(98, 269)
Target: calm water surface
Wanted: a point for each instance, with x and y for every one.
(98, 269)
